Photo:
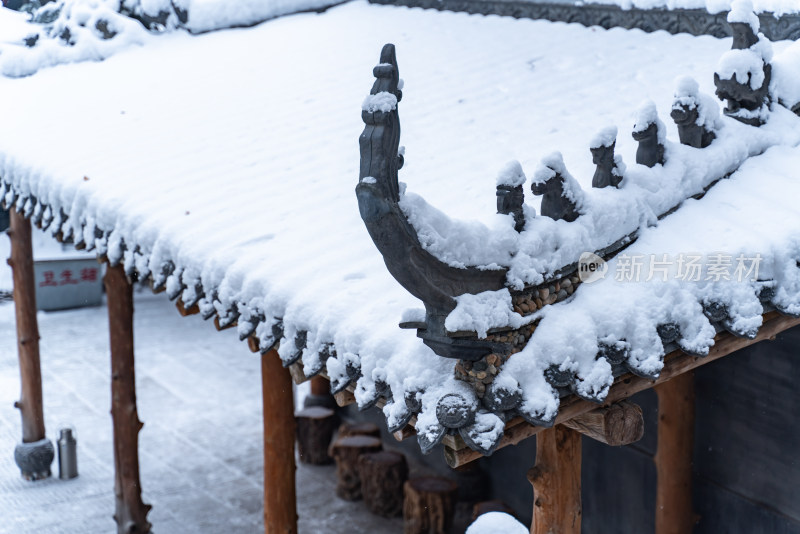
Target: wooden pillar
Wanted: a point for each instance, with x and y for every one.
(21, 262)
(674, 455)
(280, 507)
(35, 454)
(556, 480)
(320, 386)
(131, 512)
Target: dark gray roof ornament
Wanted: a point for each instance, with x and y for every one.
(561, 194)
(423, 275)
(510, 196)
(743, 74)
(649, 131)
(695, 114)
(609, 167)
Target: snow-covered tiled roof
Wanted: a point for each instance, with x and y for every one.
(222, 167)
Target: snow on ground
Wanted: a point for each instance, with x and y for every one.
(236, 156)
(199, 395)
(496, 523)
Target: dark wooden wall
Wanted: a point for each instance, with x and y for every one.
(746, 455)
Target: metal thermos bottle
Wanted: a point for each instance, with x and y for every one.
(67, 455)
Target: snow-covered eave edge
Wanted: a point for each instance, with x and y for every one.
(676, 362)
(164, 273)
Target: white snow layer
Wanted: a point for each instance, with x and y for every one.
(496, 523)
(785, 85)
(207, 15)
(481, 312)
(742, 11)
(92, 30)
(511, 175)
(605, 137)
(238, 166)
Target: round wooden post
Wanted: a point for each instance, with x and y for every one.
(131, 512)
(383, 475)
(674, 455)
(346, 451)
(556, 480)
(429, 505)
(35, 454)
(280, 508)
(315, 427)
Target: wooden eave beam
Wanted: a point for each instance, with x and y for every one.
(621, 423)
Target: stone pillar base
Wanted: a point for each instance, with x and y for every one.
(34, 459)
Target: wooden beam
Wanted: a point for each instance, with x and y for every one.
(280, 508)
(131, 512)
(619, 424)
(21, 261)
(675, 364)
(35, 453)
(674, 455)
(220, 328)
(556, 480)
(298, 376)
(184, 311)
(344, 398)
(404, 433)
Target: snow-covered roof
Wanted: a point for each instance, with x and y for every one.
(222, 167)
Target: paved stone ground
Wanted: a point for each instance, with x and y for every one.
(199, 395)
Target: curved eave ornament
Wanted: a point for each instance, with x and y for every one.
(423, 275)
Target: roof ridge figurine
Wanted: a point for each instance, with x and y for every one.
(744, 72)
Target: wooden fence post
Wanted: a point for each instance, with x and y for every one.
(556, 480)
(131, 512)
(280, 507)
(35, 454)
(674, 455)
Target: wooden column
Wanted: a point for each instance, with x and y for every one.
(35, 452)
(21, 262)
(674, 455)
(556, 480)
(131, 512)
(320, 386)
(280, 507)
